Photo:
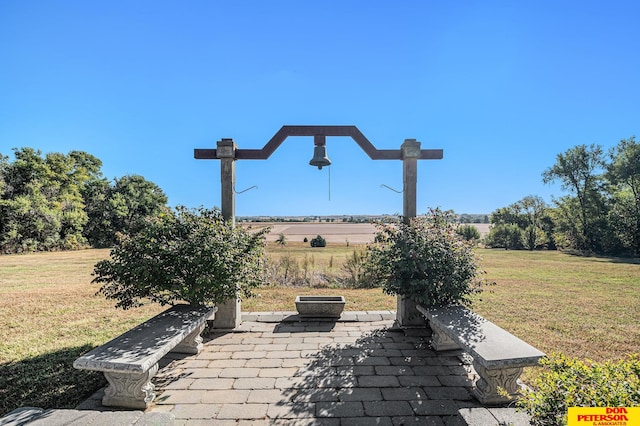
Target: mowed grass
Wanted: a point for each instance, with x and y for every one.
(49, 313)
(49, 316)
(587, 307)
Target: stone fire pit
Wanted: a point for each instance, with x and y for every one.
(320, 306)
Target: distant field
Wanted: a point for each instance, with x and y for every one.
(338, 232)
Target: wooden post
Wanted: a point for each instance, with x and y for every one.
(406, 314)
(410, 150)
(229, 315)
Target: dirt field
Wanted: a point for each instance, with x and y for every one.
(356, 233)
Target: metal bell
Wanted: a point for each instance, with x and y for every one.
(320, 158)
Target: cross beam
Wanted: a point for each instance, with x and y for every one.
(286, 131)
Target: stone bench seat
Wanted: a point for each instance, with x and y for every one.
(129, 361)
(498, 356)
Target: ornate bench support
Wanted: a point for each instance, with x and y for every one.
(129, 389)
(440, 341)
(192, 344)
(492, 383)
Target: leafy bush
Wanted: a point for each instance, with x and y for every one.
(468, 232)
(318, 242)
(187, 255)
(568, 382)
(426, 261)
(509, 237)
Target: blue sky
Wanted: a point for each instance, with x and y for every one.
(501, 86)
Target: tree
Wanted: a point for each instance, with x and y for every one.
(624, 175)
(318, 241)
(507, 236)
(578, 170)
(534, 209)
(59, 201)
(468, 232)
(98, 230)
(520, 225)
(282, 240)
(121, 207)
(49, 189)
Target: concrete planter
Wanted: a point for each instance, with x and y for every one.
(320, 306)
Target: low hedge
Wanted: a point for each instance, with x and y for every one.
(569, 382)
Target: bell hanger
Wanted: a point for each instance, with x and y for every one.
(320, 158)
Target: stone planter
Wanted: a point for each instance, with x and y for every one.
(320, 306)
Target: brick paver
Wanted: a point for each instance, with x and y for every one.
(357, 371)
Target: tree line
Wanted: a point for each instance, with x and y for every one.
(62, 202)
(600, 213)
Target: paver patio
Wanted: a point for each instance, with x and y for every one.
(277, 370)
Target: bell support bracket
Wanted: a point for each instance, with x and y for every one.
(286, 131)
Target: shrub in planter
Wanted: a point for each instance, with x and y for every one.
(568, 382)
(194, 256)
(425, 260)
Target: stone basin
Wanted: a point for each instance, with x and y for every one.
(320, 306)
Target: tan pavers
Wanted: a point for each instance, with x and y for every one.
(230, 396)
(239, 372)
(297, 373)
(255, 383)
(196, 411)
(249, 354)
(243, 411)
(264, 363)
(267, 396)
(278, 372)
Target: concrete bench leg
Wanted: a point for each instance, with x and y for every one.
(192, 344)
(129, 389)
(493, 382)
(440, 341)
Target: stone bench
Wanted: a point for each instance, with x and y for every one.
(498, 356)
(131, 360)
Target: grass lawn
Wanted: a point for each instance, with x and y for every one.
(49, 314)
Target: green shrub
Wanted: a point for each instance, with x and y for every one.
(468, 232)
(509, 237)
(567, 382)
(425, 260)
(318, 242)
(183, 255)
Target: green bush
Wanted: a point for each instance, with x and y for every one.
(468, 232)
(509, 237)
(567, 382)
(186, 255)
(425, 260)
(318, 242)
